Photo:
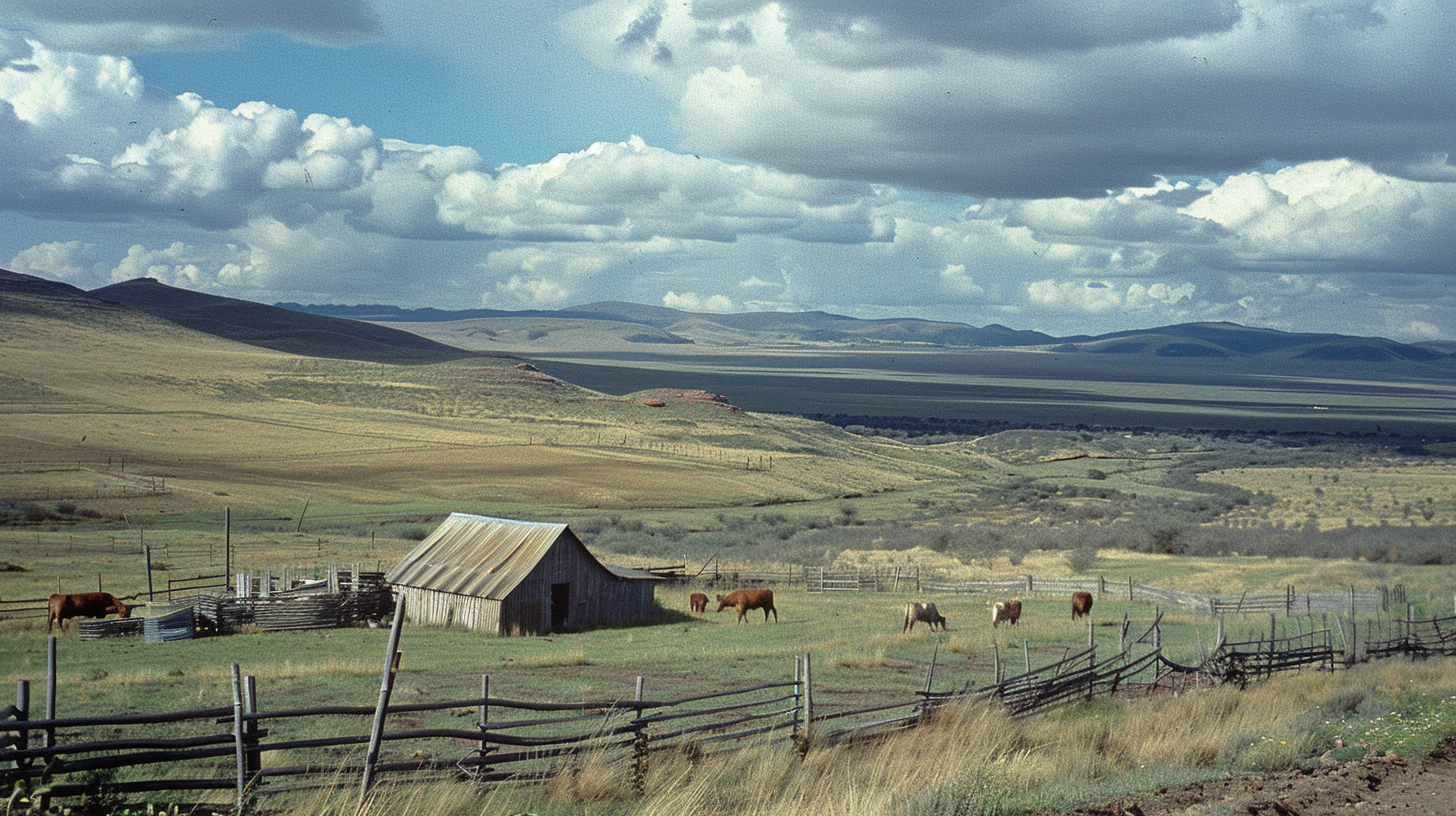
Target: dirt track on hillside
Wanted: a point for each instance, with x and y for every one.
(1423, 787)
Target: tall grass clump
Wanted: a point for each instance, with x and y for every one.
(972, 759)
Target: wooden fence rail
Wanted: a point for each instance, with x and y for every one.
(516, 741)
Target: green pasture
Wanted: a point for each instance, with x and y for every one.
(860, 655)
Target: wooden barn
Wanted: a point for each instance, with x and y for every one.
(516, 578)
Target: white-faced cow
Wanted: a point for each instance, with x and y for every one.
(922, 613)
(84, 605)
(1009, 611)
(1081, 604)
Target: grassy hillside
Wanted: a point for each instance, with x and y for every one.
(120, 391)
(278, 329)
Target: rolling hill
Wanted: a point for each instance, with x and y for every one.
(279, 329)
(97, 394)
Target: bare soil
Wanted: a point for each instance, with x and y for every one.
(1420, 787)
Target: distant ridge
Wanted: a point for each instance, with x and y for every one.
(279, 329)
(1214, 340)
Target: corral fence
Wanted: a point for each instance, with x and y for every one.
(508, 741)
(520, 742)
(1349, 601)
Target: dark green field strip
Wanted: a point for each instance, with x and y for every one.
(1402, 379)
(1258, 405)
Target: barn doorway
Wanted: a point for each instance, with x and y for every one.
(560, 605)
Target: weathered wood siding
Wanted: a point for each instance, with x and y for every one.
(427, 607)
(597, 597)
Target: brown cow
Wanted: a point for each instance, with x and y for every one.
(84, 605)
(1081, 604)
(924, 613)
(1009, 611)
(698, 601)
(746, 599)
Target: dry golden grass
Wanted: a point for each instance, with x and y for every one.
(1366, 496)
(970, 757)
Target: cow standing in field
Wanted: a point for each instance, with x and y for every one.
(1081, 604)
(698, 601)
(83, 605)
(924, 613)
(1009, 611)
(746, 599)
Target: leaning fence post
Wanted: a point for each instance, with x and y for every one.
(252, 757)
(238, 746)
(22, 713)
(808, 700)
(484, 717)
(386, 687)
(639, 745)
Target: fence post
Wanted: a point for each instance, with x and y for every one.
(22, 713)
(808, 703)
(794, 733)
(484, 717)
(386, 687)
(238, 744)
(639, 746)
(252, 757)
(1129, 589)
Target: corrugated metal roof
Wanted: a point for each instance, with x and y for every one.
(633, 573)
(476, 555)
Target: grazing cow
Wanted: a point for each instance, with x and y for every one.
(698, 601)
(746, 599)
(1081, 604)
(84, 605)
(1009, 611)
(924, 613)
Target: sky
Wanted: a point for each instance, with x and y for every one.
(1067, 166)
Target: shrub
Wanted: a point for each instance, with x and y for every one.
(1081, 559)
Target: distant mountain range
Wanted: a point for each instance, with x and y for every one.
(1188, 340)
(350, 332)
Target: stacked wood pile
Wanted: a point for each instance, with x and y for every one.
(306, 606)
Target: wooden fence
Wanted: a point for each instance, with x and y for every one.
(1350, 601)
(515, 741)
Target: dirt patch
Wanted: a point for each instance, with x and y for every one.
(1420, 787)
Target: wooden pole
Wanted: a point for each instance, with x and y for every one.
(484, 713)
(1026, 655)
(227, 548)
(808, 696)
(386, 687)
(252, 758)
(148, 550)
(238, 748)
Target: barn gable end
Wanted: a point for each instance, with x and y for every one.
(516, 577)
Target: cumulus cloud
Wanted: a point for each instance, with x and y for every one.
(268, 203)
(1040, 99)
(70, 261)
(693, 302)
(632, 192)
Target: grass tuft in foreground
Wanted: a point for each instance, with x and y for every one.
(975, 761)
